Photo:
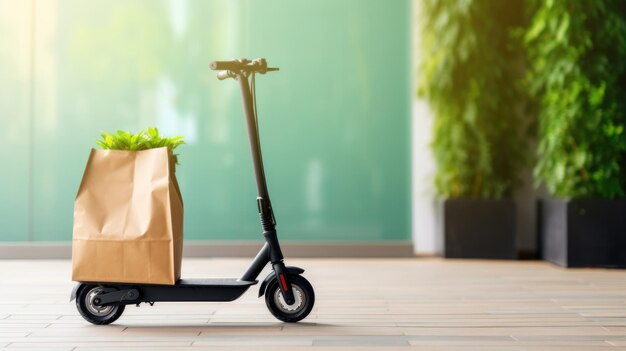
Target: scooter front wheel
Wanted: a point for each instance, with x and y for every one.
(91, 311)
(302, 306)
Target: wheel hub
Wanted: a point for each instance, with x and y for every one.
(91, 305)
(296, 306)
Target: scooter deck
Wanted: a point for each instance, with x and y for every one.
(218, 282)
(195, 290)
(219, 289)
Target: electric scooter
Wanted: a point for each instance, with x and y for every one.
(288, 295)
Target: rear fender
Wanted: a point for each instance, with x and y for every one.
(75, 290)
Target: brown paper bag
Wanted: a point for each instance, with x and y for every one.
(128, 219)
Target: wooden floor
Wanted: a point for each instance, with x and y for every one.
(368, 304)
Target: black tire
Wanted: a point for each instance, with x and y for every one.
(305, 299)
(96, 314)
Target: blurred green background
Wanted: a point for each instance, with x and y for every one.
(334, 121)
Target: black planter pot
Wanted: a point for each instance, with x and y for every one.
(478, 228)
(583, 233)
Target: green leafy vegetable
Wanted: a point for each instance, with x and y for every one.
(143, 140)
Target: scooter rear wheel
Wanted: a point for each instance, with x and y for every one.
(302, 306)
(93, 313)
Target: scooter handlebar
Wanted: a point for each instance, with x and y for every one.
(225, 65)
(230, 69)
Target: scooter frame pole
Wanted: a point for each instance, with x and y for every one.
(270, 252)
(255, 144)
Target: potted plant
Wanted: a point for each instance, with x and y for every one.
(471, 65)
(577, 50)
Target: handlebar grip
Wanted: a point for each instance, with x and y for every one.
(225, 65)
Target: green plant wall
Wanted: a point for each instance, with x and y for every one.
(578, 77)
(471, 68)
(334, 121)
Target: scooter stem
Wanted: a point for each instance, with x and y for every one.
(271, 250)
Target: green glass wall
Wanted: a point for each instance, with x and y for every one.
(15, 89)
(334, 121)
